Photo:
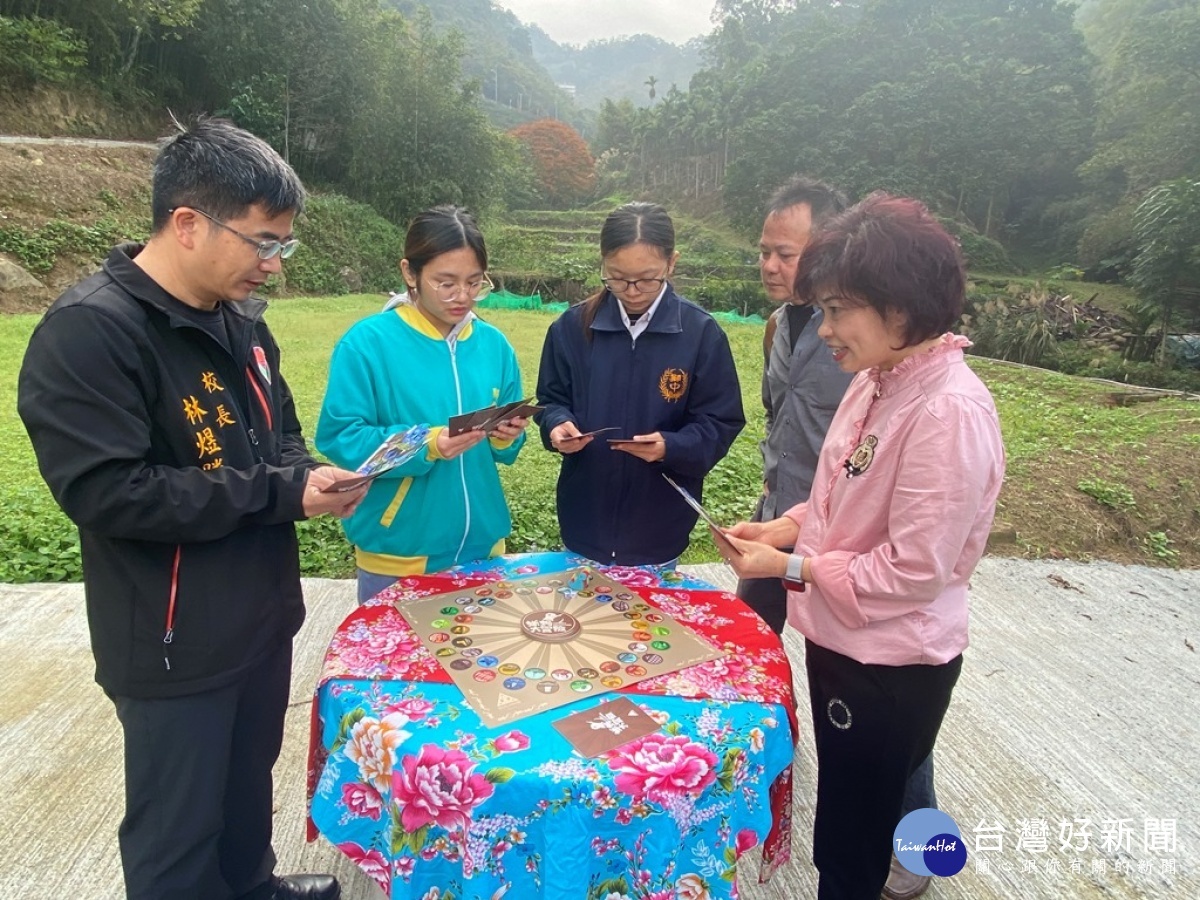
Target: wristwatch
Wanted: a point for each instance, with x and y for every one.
(793, 578)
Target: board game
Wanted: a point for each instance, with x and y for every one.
(523, 645)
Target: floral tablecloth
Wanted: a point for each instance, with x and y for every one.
(406, 781)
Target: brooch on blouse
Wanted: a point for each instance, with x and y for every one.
(860, 460)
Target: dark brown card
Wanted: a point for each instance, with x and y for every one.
(606, 727)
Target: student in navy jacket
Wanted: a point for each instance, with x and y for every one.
(637, 358)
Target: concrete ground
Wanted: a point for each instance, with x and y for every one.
(1068, 758)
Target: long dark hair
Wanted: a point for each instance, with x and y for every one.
(634, 223)
(441, 230)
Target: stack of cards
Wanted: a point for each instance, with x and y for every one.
(488, 418)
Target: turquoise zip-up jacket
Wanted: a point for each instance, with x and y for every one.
(394, 370)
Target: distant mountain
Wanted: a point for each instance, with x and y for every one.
(520, 67)
(515, 87)
(617, 68)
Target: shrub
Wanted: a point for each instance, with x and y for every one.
(346, 247)
(37, 50)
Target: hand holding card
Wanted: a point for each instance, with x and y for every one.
(396, 450)
(718, 532)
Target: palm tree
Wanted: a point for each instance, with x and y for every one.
(650, 83)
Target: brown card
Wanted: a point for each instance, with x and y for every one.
(606, 727)
(489, 417)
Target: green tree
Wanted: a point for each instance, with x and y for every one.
(1166, 270)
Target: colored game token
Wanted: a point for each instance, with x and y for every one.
(612, 681)
(535, 674)
(445, 653)
(545, 589)
(641, 635)
(626, 657)
(653, 617)
(464, 619)
(514, 684)
(653, 658)
(632, 616)
(608, 667)
(474, 609)
(524, 591)
(624, 595)
(562, 674)
(660, 645)
(586, 595)
(662, 631)
(448, 610)
(504, 595)
(461, 664)
(588, 672)
(581, 686)
(636, 671)
(621, 605)
(460, 629)
(461, 642)
(440, 623)
(473, 653)
(604, 589)
(547, 687)
(439, 637)
(483, 592)
(483, 601)
(640, 624)
(484, 676)
(641, 607)
(488, 662)
(638, 647)
(509, 669)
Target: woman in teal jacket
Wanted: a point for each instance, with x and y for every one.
(420, 361)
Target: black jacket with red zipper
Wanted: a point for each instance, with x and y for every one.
(183, 467)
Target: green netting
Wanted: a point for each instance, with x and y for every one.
(509, 300)
(730, 316)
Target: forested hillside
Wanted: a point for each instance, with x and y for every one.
(1057, 139)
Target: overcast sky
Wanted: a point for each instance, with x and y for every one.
(580, 21)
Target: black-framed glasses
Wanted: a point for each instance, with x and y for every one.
(641, 285)
(264, 249)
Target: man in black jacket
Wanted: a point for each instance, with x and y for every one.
(152, 394)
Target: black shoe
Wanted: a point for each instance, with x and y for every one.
(307, 887)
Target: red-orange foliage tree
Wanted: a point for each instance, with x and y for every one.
(566, 172)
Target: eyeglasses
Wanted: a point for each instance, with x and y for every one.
(476, 290)
(641, 285)
(265, 249)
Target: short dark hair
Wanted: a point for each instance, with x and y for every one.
(224, 170)
(823, 200)
(638, 223)
(439, 230)
(891, 254)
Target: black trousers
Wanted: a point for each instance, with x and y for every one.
(198, 789)
(874, 726)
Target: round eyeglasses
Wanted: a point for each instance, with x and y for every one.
(264, 249)
(474, 290)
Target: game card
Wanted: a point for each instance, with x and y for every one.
(586, 434)
(718, 530)
(606, 727)
(396, 450)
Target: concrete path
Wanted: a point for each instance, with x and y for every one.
(1079, 700)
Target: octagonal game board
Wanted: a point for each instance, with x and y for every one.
(523, 645)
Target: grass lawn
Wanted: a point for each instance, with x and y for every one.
(1086, 478)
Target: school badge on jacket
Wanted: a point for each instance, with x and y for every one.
(860, 460)
(673, 384)
(260, 361)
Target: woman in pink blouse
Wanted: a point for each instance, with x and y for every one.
(901, 507)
